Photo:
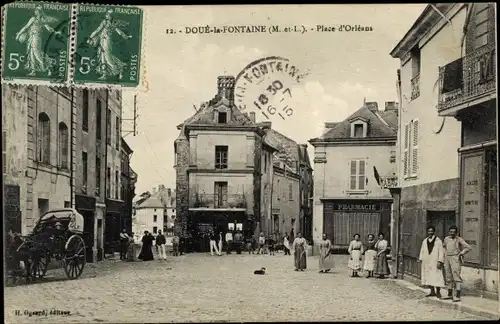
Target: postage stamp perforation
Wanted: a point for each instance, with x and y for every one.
(72, 41)
(142, 83)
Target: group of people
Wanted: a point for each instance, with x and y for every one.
(375, 254)
(441, 262)
(128, 248)
(231, 241)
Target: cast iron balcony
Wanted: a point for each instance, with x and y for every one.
(468, 80)
(389, 182)
(214, 201)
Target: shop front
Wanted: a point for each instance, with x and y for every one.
(344, 218)
(113, 225)
(86, 206)
(202, 222)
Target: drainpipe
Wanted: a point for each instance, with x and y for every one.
(71, 133)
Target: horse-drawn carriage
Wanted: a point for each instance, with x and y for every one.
(57, 235)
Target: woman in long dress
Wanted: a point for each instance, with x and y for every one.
(299, 255)
(147, 247)
(381, 266)
(286, 244)
(32, 34)
(108, 64)
(355, 251)
(325, 255)
(370, 255)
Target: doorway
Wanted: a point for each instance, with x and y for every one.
(88, 233)
(442, 220)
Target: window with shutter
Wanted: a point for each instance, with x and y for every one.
(361, 175)
(357, 178)
(406, 150)
(414, 149)
(353, 175)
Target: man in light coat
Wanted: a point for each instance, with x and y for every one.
(432, 260)
(455, 248)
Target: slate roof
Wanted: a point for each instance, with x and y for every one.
(381, 124)
(159, 199)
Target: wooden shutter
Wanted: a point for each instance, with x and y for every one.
(414, 148)
(361, 174)
(406, 150)
(353, 175)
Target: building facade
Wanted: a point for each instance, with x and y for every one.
(467, 92)
(349, 160)
(55, 155)
(218, 165)
(448, 106)
(285, 200)
(306, 192)
(127, 186)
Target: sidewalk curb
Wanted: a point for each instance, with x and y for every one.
(448, 304)
(462, 308)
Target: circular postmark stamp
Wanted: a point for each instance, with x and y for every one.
(265, 85)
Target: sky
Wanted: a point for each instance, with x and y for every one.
(181, 70)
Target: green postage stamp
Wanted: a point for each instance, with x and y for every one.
(108, 45)
(72, 44)
(36, 42)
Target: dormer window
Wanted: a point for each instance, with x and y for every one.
(222, 118)
(359, 129)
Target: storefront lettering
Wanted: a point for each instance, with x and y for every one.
(472, 201)
(364, 207)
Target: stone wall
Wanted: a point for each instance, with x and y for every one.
(257, 181)
(182, 186)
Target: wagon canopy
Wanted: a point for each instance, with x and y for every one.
(75, 219)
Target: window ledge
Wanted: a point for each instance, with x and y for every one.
(411, 178)
(357, 192)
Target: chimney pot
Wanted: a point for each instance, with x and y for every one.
(372, 105)
(252, 116)
(265, 124)
(225, 87)
(391, 106)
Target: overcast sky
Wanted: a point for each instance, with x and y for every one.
(182, 70)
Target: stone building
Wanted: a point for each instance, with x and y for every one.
(155, 212)
(449, 105)
(55, 155)
(219, 165)
(36, 138)
(349, 159)
(127, 186)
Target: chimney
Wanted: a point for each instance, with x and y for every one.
(252, 116)
(169, 192)
(161, 187)
(391, 106)
(225, 87)
(265, 125)
(372, 105)
(154, 190)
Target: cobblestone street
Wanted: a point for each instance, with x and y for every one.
(199, 287)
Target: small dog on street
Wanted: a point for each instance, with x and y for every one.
(262, 271)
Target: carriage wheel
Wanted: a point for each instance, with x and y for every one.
(74, 257)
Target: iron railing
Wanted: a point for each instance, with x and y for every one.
(215, 201)
(467, 78)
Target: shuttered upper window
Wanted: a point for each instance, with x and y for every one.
(411, 158)
(357, 178)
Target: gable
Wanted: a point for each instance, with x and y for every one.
(208, 113)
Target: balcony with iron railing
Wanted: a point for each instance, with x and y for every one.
(468, 81)
(214, 201)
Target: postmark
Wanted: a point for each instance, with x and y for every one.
(36, 43)
(108, 45)
(265, 86)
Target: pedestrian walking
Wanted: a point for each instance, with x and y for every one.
(124, 242)
(262, 243)
(182, 245)
(250, 245)
(381, 264)
(455, 248)
(147, 247)
(300, 257)
(370, 255)
(175, 244)
(432, 261)
(325, 255)
(286, 244)
(270, 244)
(238, 242)
(161, 242)
(356, 252)
(229, 242)
(219, 244)
(213, 243)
